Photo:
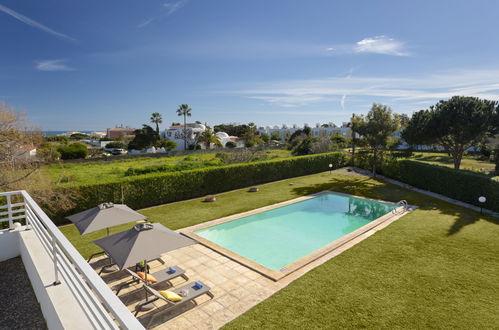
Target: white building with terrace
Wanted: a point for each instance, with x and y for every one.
(192, 131)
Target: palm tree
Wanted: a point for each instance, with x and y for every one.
(208, 137)
(184, 110)
(156, 119)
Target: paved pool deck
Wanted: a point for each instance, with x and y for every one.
(236, 288)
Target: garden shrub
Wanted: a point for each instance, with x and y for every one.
(159, 188)
(167, 144)
(73, 151)
(116, 145)
(182, 166)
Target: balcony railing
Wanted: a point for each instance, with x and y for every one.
(102, 307)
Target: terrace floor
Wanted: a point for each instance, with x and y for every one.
(23, 312)
(236, 288)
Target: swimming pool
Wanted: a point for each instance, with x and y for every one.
(284, 235)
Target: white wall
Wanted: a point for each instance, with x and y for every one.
(9, 244)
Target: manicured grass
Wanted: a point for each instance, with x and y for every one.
(436, 267)
(471, 163)
(94, 172)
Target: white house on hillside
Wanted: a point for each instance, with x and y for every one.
(176, 133)
(224, 138)
(193, 131)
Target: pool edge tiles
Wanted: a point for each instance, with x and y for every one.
(290, 268)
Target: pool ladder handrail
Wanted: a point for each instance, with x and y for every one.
(402, 203)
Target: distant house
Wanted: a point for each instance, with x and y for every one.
(120, 132)
(176, 133)
(192, 132)
(98, 135)
(25, 153)
(224, 138)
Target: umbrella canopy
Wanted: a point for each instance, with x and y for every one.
(104, 216)
(145, 241)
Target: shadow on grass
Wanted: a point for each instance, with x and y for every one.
(371, 188)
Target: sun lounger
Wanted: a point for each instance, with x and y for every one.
(161, 276)
(193, 293)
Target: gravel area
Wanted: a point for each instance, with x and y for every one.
(19, 308)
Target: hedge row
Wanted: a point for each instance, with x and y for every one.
(159, 188)
(465, 186)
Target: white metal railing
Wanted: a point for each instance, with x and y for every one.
(102, 307)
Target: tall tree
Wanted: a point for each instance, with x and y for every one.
(19, 170)
(354, 125)
(456, 124)
(144, 138)
(250, 135)
(208, 137)
(184, 110)
(156, 119)
(377, 128)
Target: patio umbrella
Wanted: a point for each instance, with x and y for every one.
(104, 216)
(145, 241)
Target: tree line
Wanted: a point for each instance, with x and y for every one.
(456, 124)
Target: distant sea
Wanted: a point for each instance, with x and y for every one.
(52, 133)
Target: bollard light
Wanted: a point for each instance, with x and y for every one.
(330, 168)
(482, 200)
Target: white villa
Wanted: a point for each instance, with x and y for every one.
(193, 131)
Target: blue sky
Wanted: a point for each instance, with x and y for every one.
(88, 65)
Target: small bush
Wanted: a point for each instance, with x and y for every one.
(230, 145)
(73, 151)
(196, 146)
(182, 166)
(116, 145)
(57, 138)
(167, 144)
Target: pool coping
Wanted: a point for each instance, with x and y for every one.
(290, 268)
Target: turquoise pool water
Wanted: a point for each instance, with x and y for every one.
(281, 236)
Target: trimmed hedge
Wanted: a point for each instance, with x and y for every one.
(159, 188)
(465, 186)
(462, 185)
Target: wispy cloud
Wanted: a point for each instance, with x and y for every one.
(53, 65)
(407, 92)
(381, 45)
(173, 6)
(145, 23)
(168, 8)
(344, 96)
(30, 22)
(373, 45)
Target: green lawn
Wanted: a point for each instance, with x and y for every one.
(471, 163)
(97, 171)
(436, 267)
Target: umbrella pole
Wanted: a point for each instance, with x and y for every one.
(146, 305)
(145, 276)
